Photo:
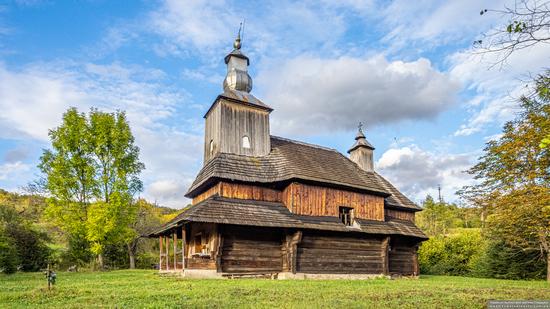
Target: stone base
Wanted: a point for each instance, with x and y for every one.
(213, 274)
(289, 275)
(202, 274)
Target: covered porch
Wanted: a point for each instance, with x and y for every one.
(188, 246)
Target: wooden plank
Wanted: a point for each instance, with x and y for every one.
(399, 214)
(321, 201)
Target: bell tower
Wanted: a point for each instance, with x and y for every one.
(362, 151)
(237, 122)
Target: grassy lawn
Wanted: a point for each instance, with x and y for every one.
(144, 288)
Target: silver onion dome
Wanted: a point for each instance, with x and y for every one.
(237, 77)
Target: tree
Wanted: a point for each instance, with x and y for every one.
(147, 219)
(528, 24)
(117, 168)
(92, 174)
(514, 178)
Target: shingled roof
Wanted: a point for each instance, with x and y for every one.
(289, 160)
(223, 210)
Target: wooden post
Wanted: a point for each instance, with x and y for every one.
(160, 252)
(183, 245)
(416, 269)
(175, 241)
(296, 239)
(219, 250)
(167, 253)
(385, 256)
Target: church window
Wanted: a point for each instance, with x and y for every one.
(345, 214)
(211, 146)
(246, 142)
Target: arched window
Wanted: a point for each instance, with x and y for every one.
(211, 146)
(246, 142)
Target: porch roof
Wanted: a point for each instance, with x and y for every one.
(223, 210)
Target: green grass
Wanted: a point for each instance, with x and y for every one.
(144, 288)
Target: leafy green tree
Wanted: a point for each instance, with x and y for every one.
(439, 218)
(92, 173)
(514, 179)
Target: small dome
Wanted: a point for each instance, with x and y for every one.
(237, 80)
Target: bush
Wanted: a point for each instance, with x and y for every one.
(506, 262)
(8, 255)
(30, 246)
(455, 255)
(147, 260)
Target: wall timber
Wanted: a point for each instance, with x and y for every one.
(399, 214)
(251, 250)
(240, 191)
(228, 122)
(320, 201)
(403, 258)
(339, 254)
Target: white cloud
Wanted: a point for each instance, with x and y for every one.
(13, 169)
(432, 23)
(496, 89)
(311, 94)
(418, 172)
(198, 23)
(33, 99)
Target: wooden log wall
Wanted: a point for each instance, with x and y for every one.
(240, 191)
(399, 214)
(403, 258)
(320, 201)
(251, 250)
(338, 254)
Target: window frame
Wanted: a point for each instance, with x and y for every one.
(345, 214)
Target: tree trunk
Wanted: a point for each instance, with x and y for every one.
(132, 261)
(100, 261)
(132, 255)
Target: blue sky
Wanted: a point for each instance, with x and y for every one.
(405, 68)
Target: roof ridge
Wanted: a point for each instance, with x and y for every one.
(305, 144)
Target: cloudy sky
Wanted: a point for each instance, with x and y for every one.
(404, 68)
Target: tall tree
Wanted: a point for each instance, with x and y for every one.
(117, 168)
(514, 178)
(69, 173)
(92, 174)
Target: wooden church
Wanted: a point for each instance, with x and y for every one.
(269, 206)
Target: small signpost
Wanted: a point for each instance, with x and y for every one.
(50, 276)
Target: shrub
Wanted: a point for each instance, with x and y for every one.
(506, 262)
(455, 255)
(8, 255)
